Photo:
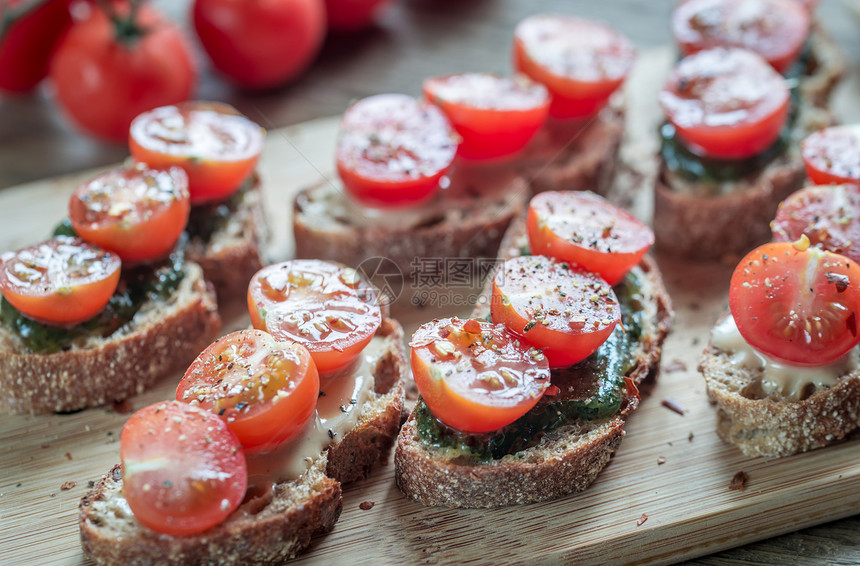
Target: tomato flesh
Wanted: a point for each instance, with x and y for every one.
(183, 470)
(476, 376)
(494, 116)
(326, 307)
(775, 29)
(829, 216)
(136, 212)
(566, 312)
(586, 230)
(726, 103)
(581, 62)
(832, 155)
(266, 391)
(216, 146)
(392, 150)
(797, 303)
(62, 281)
(103, 79)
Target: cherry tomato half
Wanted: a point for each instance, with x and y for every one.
(476, 376)
(828, 215)
(392, 150)
(136, 212)
(581, 62)
(353, 15)
(104, 74)
(26, 46)
(260, 45)
(266, 391)
(775, 29)
(324, 306)
(587, 230)
(216, 145)
(495, 116)
(183, 471)
(566, 312)
(832, 155)
(61, 281)
(797, 303)
(726, 103)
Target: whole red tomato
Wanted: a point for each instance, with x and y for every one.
(27, 42)
(260, 44)
(107, 70)
(353, 15)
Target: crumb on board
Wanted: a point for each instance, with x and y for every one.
(661, 460)
(690, 437)
(68, 456)
(641, 520)
(675, 365)
(68, 485)
(366, 505)
(739, 481)
(673, 405)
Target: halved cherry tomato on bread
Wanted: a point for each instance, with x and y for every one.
(265, 390)
(832, 155)
(495, 116)
(797, 303)
(566, 312)
(587, 230)
(828, 215)
(136, 212)
(216, 145)
(775, 29)
(324, 306)
(476, 376)
(62, 281)
(580, 61)
(726, 103)
(392, 150)
(183, 470)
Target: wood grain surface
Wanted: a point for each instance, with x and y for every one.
(671, 468)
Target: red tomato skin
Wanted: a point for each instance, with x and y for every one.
(26, 48)
(353, 15)
(491, 131)
(208, 468)
(789, 20)
(260, 45)
(102, 83)
(832, 155)
(715, 128)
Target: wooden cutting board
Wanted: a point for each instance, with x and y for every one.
(671, 468)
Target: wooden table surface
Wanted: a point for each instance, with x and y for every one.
(414, 39)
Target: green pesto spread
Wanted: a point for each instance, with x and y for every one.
(136, 286)
(206, 219)
(604, 370)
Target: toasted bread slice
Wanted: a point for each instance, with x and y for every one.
(227, 240)
(778, 423)
(711, 221)
(270, 527)
(95, 370)
(576, 157)
(466, 219)
(565, 460)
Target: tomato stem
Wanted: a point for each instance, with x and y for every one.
(126, 30)
(12, 15)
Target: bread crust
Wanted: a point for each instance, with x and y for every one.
(576, 157)
(774, 426)
(729, 223)
(268, 528)
(162, 336)
(565, 461)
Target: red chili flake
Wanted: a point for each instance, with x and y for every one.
(661, 460)
(45, 446)
(68, 485)
(739, 481)
(675, 365)
(366, 505)
(552, 391)
(472, 326)
(68, 456)
(673, 405)
(632, 390)
(641, 520)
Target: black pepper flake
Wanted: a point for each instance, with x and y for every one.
(331, 434)
(241, 405)
(343, 409)
(353, 401)
(91, 484)
(167, 483)
(530, 325)
(222, 411)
